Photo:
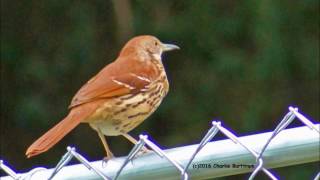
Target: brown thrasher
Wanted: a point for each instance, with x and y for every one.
(121, 96)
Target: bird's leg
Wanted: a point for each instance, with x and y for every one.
(105, 144)
(134, 141)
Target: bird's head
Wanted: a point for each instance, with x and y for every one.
(147, 45)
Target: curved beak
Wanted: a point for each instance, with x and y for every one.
(169, 47)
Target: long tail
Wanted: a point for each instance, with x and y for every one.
(54, 135)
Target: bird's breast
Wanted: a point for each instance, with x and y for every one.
(122, 114)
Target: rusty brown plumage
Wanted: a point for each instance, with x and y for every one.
(118, 98)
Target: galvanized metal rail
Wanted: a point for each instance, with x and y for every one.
(235, 155)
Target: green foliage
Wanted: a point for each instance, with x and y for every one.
(242, 62)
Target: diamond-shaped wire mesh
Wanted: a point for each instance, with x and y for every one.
(181, 167)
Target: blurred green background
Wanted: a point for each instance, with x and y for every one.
(241, 62)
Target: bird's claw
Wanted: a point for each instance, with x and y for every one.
(106, 159)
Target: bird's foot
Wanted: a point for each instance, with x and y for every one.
(143, 151)
(107, 158)
(146, 150)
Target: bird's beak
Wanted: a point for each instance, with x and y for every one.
(169, 47)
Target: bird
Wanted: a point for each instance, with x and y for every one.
(118, 98)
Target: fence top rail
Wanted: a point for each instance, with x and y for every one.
(213, 160)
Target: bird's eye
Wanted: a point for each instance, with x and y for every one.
(156, 43)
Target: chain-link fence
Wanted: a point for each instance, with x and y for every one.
(235, 155)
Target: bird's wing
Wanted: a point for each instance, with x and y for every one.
(104, 85)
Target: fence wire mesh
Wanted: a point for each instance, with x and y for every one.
(182, 169)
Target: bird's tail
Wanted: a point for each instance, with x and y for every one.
(54, 135)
